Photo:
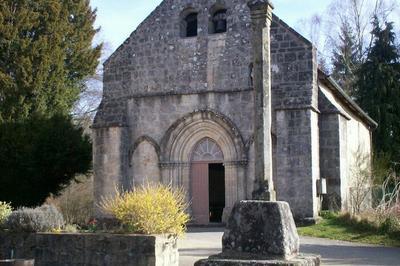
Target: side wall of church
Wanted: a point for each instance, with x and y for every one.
(345, 149)
(332, 148)
(359, 158)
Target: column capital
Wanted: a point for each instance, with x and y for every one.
(260, 5)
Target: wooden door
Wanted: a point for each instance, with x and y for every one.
(200, 200)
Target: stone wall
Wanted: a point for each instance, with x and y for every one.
(298, 161)
(295, 105)
(294, 69)
(153, 116)
(121, 154)
(156, 59)
(359, 154)
(90, 249)
(144, 164)
(330, 159)
(344, 138)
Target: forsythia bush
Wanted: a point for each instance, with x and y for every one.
(5, 211)
(151, 209)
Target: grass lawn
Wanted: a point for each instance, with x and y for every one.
(334, 227)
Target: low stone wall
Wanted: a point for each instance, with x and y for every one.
(90, 249)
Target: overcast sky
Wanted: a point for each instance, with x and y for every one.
(118, 19)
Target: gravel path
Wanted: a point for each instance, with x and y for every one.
(202, 242)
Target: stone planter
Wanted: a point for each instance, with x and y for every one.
(90, 249)
(17, 262)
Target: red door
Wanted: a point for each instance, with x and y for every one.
(200, 204)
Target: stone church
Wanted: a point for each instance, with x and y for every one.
(226, 100)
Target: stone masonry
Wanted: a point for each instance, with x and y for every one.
(164, 93)
(90, 249)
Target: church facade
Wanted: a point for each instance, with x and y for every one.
(181, 105)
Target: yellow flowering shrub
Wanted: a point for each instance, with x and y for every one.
(151, 209)
(5, 211)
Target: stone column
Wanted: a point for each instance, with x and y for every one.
(261, 16)
(231, 190)
(109, 163)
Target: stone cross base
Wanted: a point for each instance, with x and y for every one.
(260, 233)
(300, 260)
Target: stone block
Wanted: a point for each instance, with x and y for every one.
(264, 228)
(260, 233)
(300, 260)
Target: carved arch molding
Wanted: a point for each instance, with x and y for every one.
(181, 138)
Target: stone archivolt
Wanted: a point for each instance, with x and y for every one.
(182, 137)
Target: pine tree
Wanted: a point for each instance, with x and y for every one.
(379, 89)
(344, 59)
(45, 55)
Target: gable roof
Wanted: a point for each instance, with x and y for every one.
(343, 97)
(276, 19)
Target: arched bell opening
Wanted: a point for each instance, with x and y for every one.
(218, 20)
(189, 23)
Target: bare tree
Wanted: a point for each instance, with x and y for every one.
(360, 182)
(390, 191)
(312, 29)
(324, 29)
(358, 14)
(85, 109)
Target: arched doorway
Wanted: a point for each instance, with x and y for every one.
(179, 157)
(207, 182)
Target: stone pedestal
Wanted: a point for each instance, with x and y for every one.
(260, 233)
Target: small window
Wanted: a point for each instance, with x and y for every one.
(218, 23)
(189, 25)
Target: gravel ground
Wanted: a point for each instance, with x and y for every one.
(200, 243)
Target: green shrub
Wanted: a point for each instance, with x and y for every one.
(41, 219)
(358, 222)
(372, 221)
(5, 211)
(40, 156)
(152, 209)
(391, 225)
(328, 214)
